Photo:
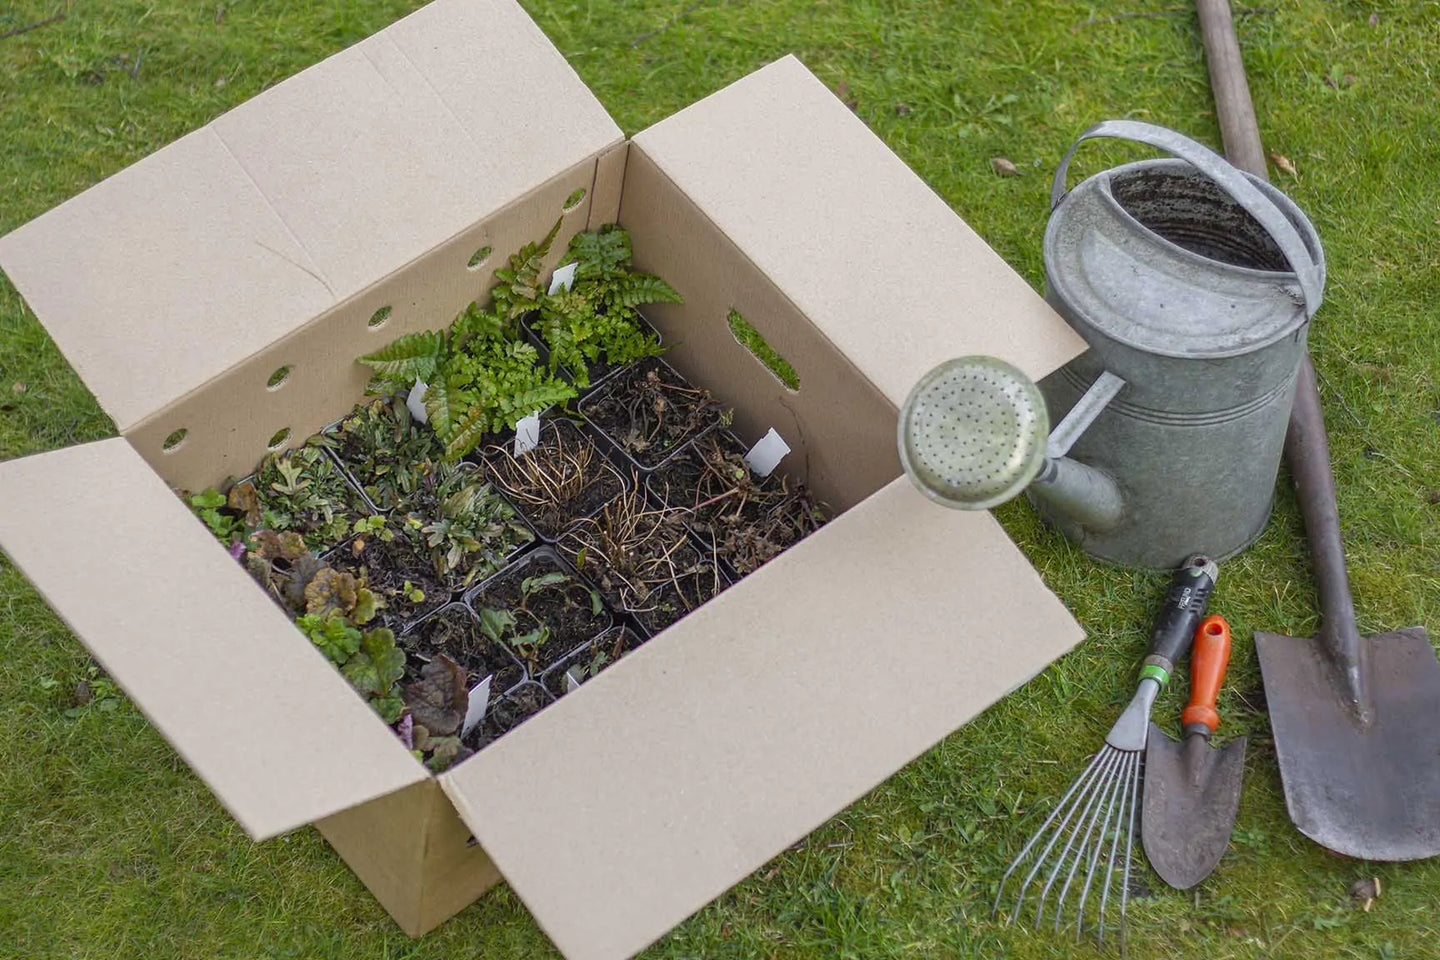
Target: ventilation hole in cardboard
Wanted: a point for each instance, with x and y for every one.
(749, 338)
(378, 318)
(278, 378)
(277, 440)
(472, 842)
(172, 442)
(478, 258)
(573, 201)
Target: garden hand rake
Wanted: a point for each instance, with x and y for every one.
(1094, 822)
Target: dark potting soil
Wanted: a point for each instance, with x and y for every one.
(571, 611)
(599, 654)
(508, 712)
(566, 477)
(386, 567)
(654, 573)
(649, 410)
(746, 547)
(711, 482)
(454, 632)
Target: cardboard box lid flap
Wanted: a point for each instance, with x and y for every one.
(263, 718)
(857, 241)
(201, 254)
(625, 807)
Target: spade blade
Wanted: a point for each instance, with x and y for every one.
(1191, 794)
(1363, 788)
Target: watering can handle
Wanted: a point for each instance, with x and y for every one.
(1225, 176)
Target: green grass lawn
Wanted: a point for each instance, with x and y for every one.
(109, 847)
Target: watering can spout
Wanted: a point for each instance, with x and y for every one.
(1085, 496)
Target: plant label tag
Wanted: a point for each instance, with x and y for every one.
(527, 434)
(572, 683)
(479, 703)
(766, 455)
(563, 278)
(415, 401)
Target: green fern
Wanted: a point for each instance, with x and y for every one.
(401, 362)
(602, 254)
(518, 288)
(637, 288)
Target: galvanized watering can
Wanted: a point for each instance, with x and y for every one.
(1193, 284)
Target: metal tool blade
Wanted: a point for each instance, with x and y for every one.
(1192, 792)
(1366, 788)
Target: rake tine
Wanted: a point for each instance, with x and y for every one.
(1116, 786)
(1129, 839)
(1040, 834)
(1092, 776)
(1120, 825)
(1102, 785)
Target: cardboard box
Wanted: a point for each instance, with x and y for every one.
(275, 235)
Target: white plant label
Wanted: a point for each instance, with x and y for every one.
(527, 434)
(571, 683)
(766, 455)
(416, 401)
(479, 703)
(563, 278)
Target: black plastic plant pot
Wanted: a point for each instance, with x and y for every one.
(527, 597)
(401, 577)
(325, 503)
(467, 526)
(709, 481)
(565, 479)
(599, 372)
(453, 631)
(667, 576)
(383, 450)
(507, 712)
(648, 411)
(585, 662)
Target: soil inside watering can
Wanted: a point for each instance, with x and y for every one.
(1193, 213)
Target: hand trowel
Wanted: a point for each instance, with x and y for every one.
(1192, 789)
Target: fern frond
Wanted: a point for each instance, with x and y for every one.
(600, 255)
(638, 288)
(413, 356)
(438, 407)
(469, 430)
(518, 290)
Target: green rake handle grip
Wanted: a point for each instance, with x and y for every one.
(1184, 608)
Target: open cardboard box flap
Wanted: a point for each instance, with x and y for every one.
(205, 252)
(665, 780)
(182, 627)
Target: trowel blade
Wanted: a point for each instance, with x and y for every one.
(1366, 789)
(1192, 791)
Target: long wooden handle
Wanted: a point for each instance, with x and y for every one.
(1239, 130)
(1208, 660)
(1307, 451)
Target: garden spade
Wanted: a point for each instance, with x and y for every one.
(1192, 790)
(1353, 716)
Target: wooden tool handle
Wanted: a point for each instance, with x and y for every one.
(1208, 660)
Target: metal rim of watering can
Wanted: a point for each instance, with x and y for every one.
(1309, 272)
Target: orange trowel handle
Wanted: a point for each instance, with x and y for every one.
(1208, 660)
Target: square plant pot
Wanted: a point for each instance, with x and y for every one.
(598, 372)
(540, 609)
(585, 662)
(644, 562)
(648, 411)
(564, 479)
(454, 631)
(384, 451)
(304, 490)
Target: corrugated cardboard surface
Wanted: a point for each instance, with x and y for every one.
(840, 429)
(207, 251)
(232, 418)
(656, 786)
(860, 244)
(264, 719)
